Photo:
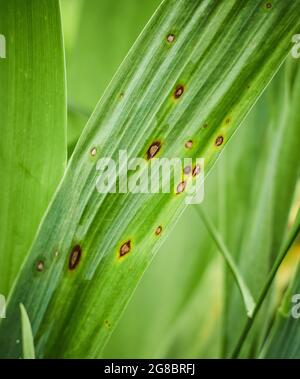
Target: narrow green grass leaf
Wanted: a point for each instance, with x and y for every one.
(284, 250)
(33, 125)
(217, 238)
(27, 338)
(222, 57)
(284, 338)
(267, 199)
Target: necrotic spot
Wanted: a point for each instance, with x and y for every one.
(125, 248)
(158, 230)
(187, 170)
(75, 256)
(170, 38)
(40, 266)
(181, 187)
(178, 91)
(93, 151)
(196, 170)
(189, 144)
(219, 140)
(153, 149)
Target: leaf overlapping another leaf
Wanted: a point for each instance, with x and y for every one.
(223, 56)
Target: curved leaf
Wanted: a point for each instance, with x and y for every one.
(198, 85)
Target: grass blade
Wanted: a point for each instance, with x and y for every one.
(33, 125)
(217, 238)
(27, 338)
(284, 337)
(266, 199)
(285, 249)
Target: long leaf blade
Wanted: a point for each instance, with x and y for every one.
(248, 299)
(138, 108)
(27, 338)
(33, 125)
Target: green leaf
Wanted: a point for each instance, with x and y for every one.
(186, 256)
(285, 249)
(33, 125)
(245, 292)
(27, 338)
(269, 200)
(163, 91)
(241, 157)
(105, 32)
(174, 299)
(283, 341)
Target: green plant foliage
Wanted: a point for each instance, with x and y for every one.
(185, 86)
(105, 32)
(33, 125)
(27, 338)
(228, 191)
(269, 199)
(284, 337)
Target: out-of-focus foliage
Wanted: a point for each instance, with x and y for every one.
(99, 34)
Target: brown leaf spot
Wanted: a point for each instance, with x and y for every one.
(268, 5)
(158, 230)
(40, 266)
(181, 187)
(219, 140)
(153, 149)
(170, 38)
(205, 126)
(196, 170)
(125, 248)
(178, 91)
(189, 144)
(75, 256)
(187, 170)
(93, 151)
